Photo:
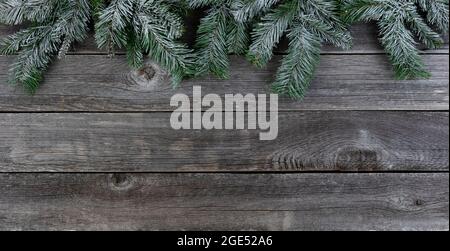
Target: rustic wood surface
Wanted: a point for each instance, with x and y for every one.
(342, 82)
(93, 150)
(145, 142)
(224, 201)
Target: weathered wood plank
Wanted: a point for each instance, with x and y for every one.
(343, 82)
(224, 202)
(145, 142)
(365, 40)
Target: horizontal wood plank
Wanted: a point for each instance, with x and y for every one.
(145, 142)
(342, 82)
(224, 202)
(365, 40)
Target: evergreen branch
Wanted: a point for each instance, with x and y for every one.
(212, 49)
(437, 13)
(135, 55)
(175, 57)
(97, 7)
(218, 35)
(400, 45)
(179, 7)
(309, 24)
(327, 32)
(362, 10)
(34, 59)
(245, 10)
(397, 21)
(238, 38)
(153, 27)
(203, 3)
(147, 26)
(74, 17)
(161, 14)
(112, 24)
(38, 45)
(269, 31)
(24, 38)
(430, 38)
(14, 12)
(298, 66)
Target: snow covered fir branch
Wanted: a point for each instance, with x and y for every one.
(154, 29)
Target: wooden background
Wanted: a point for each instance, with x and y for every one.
(93, 149)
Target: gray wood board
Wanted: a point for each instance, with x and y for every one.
(224, 201)
(342, 82)
(145, 142)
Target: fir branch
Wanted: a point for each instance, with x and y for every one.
(212, 54)
(135, 55)
(398, 22)
(14, 12)
(159, 41)
(153, 27)
(203, 3)
(437, 13)
(246, 10)
(39, 44)
(218, 35)
(328, 32)
(34, 59)
(148, 27)
(309, 23)
(268, 32)
(73, 18)
(163, 15)
(298, 66)
(112, 24)
(429, 37)
(399, 43)
(25, 38)
(237, 38)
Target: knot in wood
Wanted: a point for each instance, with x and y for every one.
(147, 72)
(419, 202)
(148, 78)
(121, 181)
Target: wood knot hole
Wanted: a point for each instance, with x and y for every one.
(419, 202)
(149, 77)
(121, 181)
(147, 72)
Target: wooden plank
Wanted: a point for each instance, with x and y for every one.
(224, 202)
(365, 40)
(145, 142)
(343, 82)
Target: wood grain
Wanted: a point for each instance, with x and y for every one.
(224, 202)
(145, 142)
(343, 82)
